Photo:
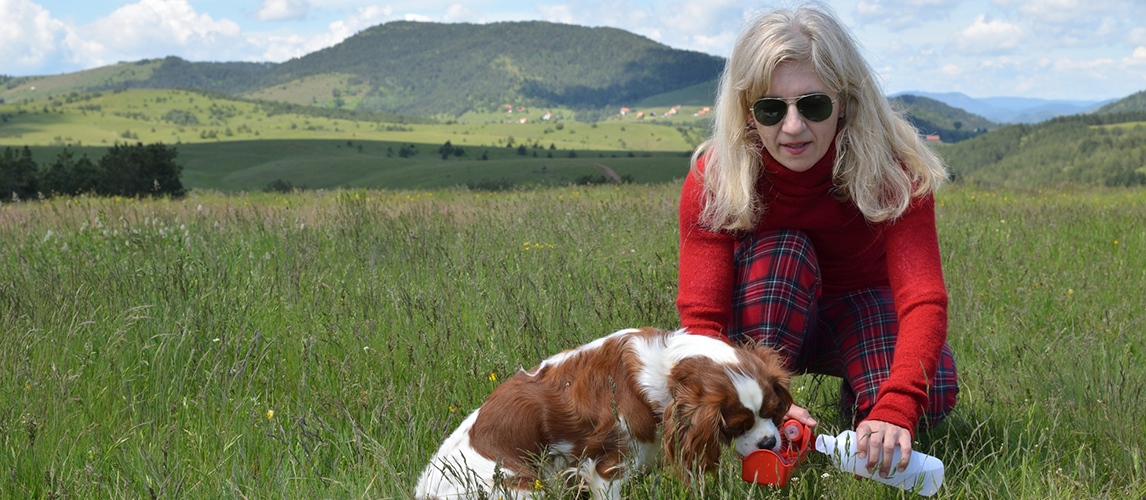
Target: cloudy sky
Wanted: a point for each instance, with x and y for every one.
(1051, 49)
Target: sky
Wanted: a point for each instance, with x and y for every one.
(1081, 50)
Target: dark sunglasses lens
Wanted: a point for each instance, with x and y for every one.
(815, 107)
(769, 111)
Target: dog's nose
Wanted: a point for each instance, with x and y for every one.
(767, 443)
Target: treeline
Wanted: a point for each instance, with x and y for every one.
(1091, 149)
(125, 170)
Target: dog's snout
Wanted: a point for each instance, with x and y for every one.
(768, 443)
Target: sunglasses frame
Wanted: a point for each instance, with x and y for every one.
(788, 101)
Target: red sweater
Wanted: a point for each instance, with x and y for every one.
(853, 254)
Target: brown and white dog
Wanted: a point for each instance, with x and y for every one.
(596, 412)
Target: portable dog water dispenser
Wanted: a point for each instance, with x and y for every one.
(772, 468)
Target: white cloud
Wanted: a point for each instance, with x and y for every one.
(903, 14)
(987, 36)
(281, 10)
(279, 48)
(31, 39)
(457, 13)
(556, 13)
(1079, 23)
(157, 28)
(951, 70)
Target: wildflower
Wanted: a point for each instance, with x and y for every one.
(492, 377)
(537, 484)
(825, 475)
(453, 408)
(270, 414)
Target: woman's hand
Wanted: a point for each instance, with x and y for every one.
(800, 415)
(876, 437)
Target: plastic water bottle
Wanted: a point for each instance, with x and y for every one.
(924, 474)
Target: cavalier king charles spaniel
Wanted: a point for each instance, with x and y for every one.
(596, 412)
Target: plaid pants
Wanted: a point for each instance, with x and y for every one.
(777, 301)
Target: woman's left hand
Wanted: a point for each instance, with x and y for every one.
(879, 439)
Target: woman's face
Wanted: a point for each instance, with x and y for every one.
(796, 142)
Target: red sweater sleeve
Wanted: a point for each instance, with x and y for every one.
(704, 294)
(915, 273)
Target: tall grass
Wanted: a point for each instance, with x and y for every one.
(321, 345)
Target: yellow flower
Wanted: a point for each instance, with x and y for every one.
(537, 484)
(493, 377)
(453, 408)
(270, 414)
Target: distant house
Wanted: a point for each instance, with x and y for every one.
(640, 114)
(933, 139)
(624, 111)
(548, 116)
(522, 120)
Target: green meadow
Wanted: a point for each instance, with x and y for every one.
(234, 145)
(322, 344)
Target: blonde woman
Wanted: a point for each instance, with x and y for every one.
(808, 223)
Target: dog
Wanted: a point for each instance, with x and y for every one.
(599, 411)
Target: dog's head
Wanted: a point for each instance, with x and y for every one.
(716, 402)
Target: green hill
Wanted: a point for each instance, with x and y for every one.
(428, 69)
(1133, 102)
(934, 117)
(1094, 149)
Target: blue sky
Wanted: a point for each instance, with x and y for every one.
(1051, 49)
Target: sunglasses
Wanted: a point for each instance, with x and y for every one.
(771, 110)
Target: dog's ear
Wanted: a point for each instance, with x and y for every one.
(777, 378)
(693, 418)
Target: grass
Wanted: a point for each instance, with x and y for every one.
(326, 164)
(322, 344)
(101, 119)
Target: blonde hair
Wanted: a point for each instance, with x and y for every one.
(881, 162)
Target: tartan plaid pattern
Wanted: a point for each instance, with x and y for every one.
(777, 301)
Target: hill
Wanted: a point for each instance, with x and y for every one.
(420, 68)
(1010, 109)
(1091, 149)
(934, 117)
(1133, 102)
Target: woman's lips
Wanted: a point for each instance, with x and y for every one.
(797, 147)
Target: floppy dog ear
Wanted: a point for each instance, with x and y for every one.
(693, 418)
(776, 371)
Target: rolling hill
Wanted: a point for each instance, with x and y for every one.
(934, 117)
(1106, 149)
(422, 69)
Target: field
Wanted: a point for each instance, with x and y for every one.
(236, 146)
(181, 117)
(321, 344)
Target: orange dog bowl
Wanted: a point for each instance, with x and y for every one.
(774, 469)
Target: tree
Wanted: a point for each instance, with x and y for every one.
(19, 177)
(128, 170)
(69, 176)
(521, 150)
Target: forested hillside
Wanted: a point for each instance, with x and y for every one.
(1094, 149)
(933, 117)
(426, 68)
(433, 69)
(1133, 102)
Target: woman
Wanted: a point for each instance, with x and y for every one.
(808, 224)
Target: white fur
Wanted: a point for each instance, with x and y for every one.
(752, 398)
(457, 471)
